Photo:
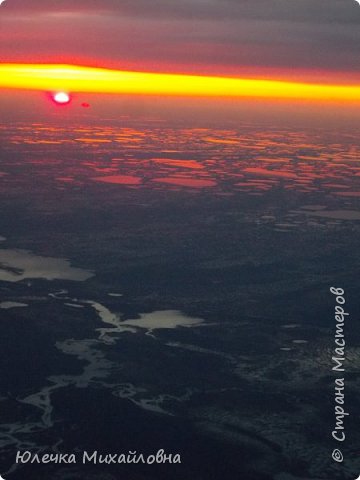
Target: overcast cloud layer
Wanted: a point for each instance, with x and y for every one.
(204, 36)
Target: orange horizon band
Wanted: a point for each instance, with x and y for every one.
(73, 78)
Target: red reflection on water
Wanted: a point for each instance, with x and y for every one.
(193, 164)
(161, 157)
(186, 182)
(120, 179)
(270, 173)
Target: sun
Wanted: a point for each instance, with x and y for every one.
(61, 98)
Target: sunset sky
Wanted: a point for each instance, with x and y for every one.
(298, 41)
(226, 37)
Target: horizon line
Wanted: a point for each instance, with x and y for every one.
(77, 78)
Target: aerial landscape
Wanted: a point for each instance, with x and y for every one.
(176, 230)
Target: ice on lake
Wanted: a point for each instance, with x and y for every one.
(17, 265)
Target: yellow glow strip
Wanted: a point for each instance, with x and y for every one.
(72, 78)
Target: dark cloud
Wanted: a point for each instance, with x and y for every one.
(313, 11)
